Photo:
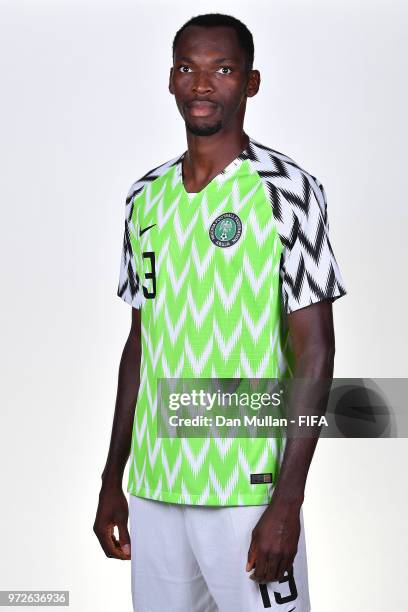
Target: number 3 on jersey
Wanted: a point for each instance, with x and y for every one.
(150, 274)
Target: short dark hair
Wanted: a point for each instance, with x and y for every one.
(211, 20)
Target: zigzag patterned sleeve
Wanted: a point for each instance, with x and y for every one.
(130, 285)
(309, 269)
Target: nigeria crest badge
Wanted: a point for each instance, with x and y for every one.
(226, 230)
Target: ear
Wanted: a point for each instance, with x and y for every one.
(170, 81)
(254, 82)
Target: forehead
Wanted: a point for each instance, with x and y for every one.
(216, 41)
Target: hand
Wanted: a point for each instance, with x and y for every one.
(113, 510)
(274, 543)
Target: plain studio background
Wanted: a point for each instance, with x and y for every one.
(85, 112)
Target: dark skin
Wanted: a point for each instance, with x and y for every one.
(211, 82)
(113, 507)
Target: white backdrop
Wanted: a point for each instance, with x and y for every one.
(84, 112)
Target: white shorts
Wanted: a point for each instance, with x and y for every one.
(192, 559)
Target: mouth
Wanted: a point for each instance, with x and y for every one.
(201, 108)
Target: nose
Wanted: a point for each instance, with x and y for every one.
(202, 83)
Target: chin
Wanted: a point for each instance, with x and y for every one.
(204, 130)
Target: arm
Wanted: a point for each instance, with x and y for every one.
(113, 508)
(275, 537)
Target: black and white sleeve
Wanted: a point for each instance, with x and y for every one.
(309, 270)
(130, 282)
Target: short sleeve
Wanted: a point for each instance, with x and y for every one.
(130, 284)
(309, 270)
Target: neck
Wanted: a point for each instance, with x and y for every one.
(208, 155)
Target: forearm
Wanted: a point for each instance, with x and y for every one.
(311, 383)
(121, 436)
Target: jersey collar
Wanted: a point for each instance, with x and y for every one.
(222, 176)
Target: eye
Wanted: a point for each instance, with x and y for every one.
(184, 68)
(224, 70)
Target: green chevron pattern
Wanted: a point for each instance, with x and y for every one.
(216, 312)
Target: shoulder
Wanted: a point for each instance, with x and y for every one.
(286, 180)
(149, 177)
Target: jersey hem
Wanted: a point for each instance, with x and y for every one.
(333, 296)
(193, 499)
(135, 303)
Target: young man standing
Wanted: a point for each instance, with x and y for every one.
(229, 271)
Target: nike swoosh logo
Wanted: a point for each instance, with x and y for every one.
(291, 610)
(142, 231)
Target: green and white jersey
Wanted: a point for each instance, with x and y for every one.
(215, 274)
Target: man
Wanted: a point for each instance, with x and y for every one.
(229, 271)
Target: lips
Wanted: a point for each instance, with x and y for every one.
(201, 108)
